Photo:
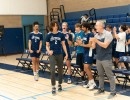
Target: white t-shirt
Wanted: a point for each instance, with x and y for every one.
(120, 46)
(83, 19)
(72, 35)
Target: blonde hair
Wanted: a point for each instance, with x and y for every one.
(65, 23)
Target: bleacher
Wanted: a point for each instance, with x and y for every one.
(113, 20)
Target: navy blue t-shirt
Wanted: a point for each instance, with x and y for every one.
(86, 38)
(55, 42)
(69, 37)
(35, 40)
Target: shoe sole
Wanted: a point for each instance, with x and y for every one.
(92, 89)
(99, 94)
(86, 87)
(53, 94)
(69, 83)
(112, 97)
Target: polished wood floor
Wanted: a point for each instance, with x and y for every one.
(21, 86)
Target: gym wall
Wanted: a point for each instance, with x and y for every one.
(15, 15)
(76, 8)
(13, 40)
(81, 5)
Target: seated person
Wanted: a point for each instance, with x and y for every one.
(84, 18)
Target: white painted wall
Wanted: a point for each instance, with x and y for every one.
(23, 7)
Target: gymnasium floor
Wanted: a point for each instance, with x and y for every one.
(20, 85)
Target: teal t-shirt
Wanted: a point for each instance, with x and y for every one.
(79, 49)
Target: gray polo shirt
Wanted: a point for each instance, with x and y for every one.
(104, 53)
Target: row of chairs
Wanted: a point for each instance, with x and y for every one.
(125, 74)
(26, 62)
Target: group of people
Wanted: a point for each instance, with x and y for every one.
(106, 43)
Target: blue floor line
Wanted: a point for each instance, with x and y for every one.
(45, 93)
(6, 97)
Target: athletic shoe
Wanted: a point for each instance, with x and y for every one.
(111, 95)
(86, 85)
(59, 88)
(53, 90)
(92, 86)
(69, 81)
(36, 77)
(100, 91)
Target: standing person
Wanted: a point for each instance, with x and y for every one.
(103, 44)
(68, 42)
(35, 46)
(128, 41)
(55, 41)
(109, 28)
(94, 31)
(88, 55)
(120, 46)
(70, 32)
(79, 50)
(114, 41)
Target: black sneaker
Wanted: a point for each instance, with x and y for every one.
(53, 90)
(59, 88)
(111, 95)
(100, 91)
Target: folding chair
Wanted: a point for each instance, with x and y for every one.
(126, 60)
(76, 68)
(24, 59)
(95, 74)
(44, 62)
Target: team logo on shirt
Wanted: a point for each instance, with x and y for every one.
(55, 39)
(36, 38)
(84, 40)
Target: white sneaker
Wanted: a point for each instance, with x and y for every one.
(92, 86)
(86, 86)
(69, 81)
(36, 77)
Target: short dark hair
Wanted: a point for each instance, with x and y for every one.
(35, 23)
(123, 27)
(85, 14)
(93, 28)
(86, 25)
(52, 24)
(109, 26)
(78, 25)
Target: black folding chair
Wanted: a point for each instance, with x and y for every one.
(44, 62)
(95, 74)
(76, 68)
(126, 61)
(24, 60)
